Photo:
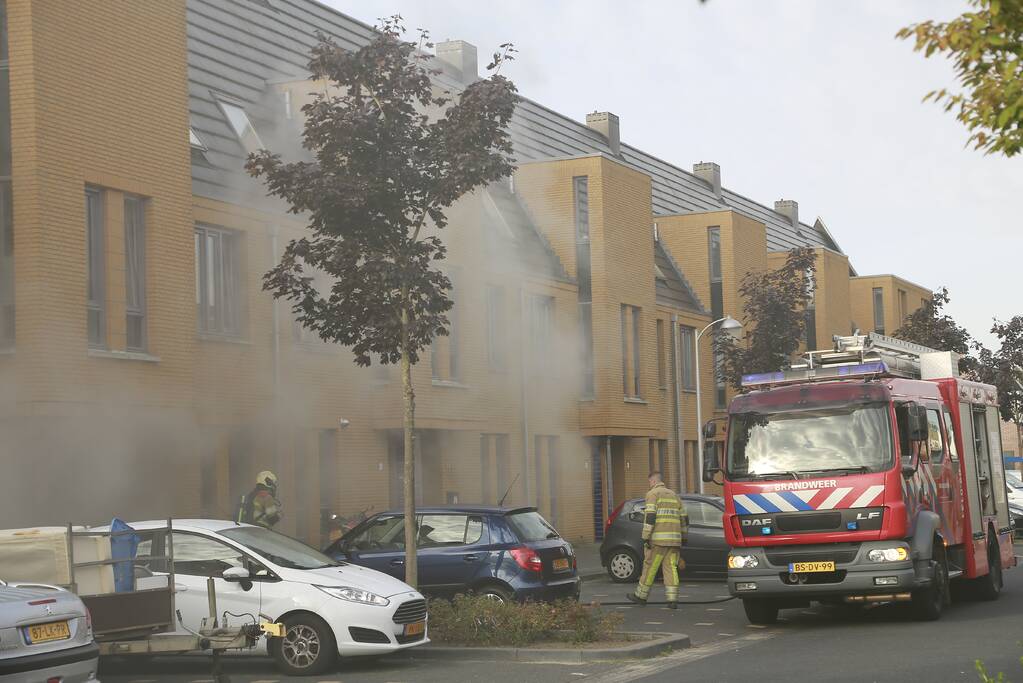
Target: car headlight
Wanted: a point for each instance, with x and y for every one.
(355, 595)
(888, 554)
(742, 562)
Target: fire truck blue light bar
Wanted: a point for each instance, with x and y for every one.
(803, 375)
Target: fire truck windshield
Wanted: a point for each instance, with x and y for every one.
(787, 443)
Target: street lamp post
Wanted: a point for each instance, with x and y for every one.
(733, 327)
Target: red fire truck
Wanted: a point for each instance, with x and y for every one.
(871, 473)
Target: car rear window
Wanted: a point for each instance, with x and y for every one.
(531, 526)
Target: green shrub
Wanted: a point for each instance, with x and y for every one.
(474, 620)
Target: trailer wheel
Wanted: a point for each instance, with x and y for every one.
(761, 612)
(308, 646)
(929, 603)
(990, 587)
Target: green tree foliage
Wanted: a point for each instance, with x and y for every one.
(930, 326)
(1004, 369)
(986, 49)
(390, 153)
(774, 318)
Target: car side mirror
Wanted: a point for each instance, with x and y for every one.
(908, 470)
(711, 466)
(236, 574)
(710, 429)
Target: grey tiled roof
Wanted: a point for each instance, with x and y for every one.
(672, 287)
(235, 47)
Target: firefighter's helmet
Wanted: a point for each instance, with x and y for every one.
(267, 479)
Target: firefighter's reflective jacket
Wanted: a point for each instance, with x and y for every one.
(665, 521)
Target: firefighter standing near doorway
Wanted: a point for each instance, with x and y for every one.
(261, 506)
(664, 530)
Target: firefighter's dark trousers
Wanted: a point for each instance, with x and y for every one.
(665, 559)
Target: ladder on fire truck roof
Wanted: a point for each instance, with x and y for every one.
(863, 355)
(901, 358)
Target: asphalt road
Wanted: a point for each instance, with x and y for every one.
(833, 644)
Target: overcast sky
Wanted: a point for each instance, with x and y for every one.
(795, 99)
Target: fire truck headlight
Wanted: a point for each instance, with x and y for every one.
(888, 554)
(742, 562)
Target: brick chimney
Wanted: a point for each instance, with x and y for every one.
(710, 173)
(790, 209)
(606, 123)
(461, 56)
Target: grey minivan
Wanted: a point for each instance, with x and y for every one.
(705, 552)
(45, 635)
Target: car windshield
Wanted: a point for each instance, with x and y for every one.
(279, 549)
(531, 526)
(836, 438)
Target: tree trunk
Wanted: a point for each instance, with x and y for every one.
(408, 482)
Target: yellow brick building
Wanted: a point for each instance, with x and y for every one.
(144, 372)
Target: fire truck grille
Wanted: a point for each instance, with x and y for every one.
(815, 578)
(838, 553)
(809, 521)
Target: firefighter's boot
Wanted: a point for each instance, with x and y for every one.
(632, 597)
(672, 605)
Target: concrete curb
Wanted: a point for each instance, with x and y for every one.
(660, 644)
(590, 576)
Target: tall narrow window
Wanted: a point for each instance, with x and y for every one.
(688, 335)
(878, 310)
(95, 244)
(495, 328)
(717, 305)
(541, 329)
(662, 370)
(630, 351)
(6, 211)
(454, 360)
(580, 189)
(218, 294)
(658, 456)
(135, 272)
(903, 312)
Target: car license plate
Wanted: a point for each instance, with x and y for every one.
(810, 567)
(561, 564)
(55, 630)
(415, 629)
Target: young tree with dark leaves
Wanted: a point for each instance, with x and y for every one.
(930, 326)
(1004, 369)
(774, 318)
(390, 154)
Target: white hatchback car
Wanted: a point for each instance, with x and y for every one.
(329, 608)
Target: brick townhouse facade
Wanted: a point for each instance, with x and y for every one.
(145, 373)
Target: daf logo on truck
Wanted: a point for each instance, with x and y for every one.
(870, 473)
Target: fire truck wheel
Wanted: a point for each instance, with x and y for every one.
(929, 603)
(990, 587)
(760, 612)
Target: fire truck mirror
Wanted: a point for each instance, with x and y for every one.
(917, 415)
(710, 429)
(711, 466)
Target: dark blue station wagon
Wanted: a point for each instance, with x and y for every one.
(504, 553)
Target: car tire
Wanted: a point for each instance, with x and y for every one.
(989, 587)
(307, 648)
(623, 566)
(761, 612)
(496, 593)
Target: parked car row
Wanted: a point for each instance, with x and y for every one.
(503, 553)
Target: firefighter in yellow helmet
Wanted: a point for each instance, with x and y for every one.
(260, 506)
(665, 524)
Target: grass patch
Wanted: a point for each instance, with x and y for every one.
(478, 621)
